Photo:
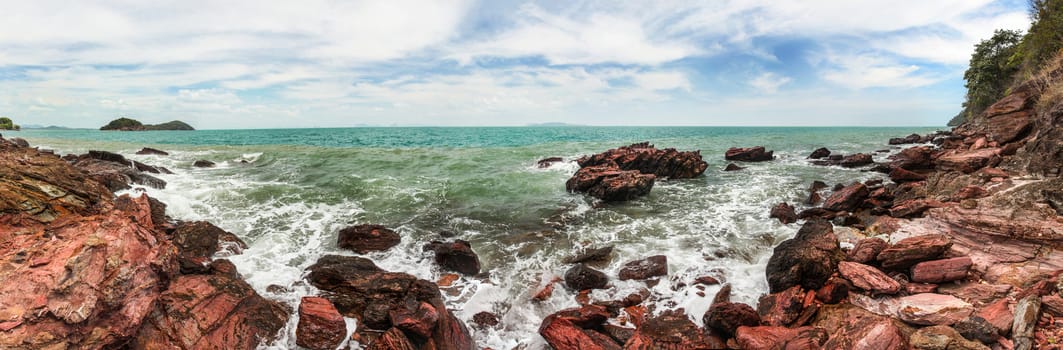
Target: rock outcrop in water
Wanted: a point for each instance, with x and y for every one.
(87, 270)
(629, 172)
(751, 154)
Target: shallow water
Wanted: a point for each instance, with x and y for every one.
(298, 187)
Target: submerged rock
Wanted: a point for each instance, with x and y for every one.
(733, 167)
(752, 154)
(821, 152)
(547, 162)
(152, 151)
(203, 164)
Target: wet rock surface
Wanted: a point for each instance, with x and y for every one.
(808, 259)
(751, 154)
(363, 239)
(455, 256)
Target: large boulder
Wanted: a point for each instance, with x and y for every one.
(321, 327)
(851, 327)
(368, 238)
(219, 310)
(968, 161)
(774, 337)
(456, 256)
(929, 309)
(912, 250)
(581, 277)
(646, 159)
(751, 154)
(672, 330)
(913, 158)
(784, 212)
(197, 242)
(855, 160)
(821, 152)
(384, 301)
(848, 198)
(808, 259)
(944, 270)
(868, 278)
(609, 183)
(577, 329)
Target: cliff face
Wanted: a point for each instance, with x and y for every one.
(83, 269)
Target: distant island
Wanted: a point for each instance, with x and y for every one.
(42, 127)
(127, 124)
(553, 124)
(7, 124)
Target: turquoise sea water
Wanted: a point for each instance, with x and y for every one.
(298, 187)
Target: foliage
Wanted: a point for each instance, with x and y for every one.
(173, 125)
(123, 124)
(1045, 37)
(991, 70)
(7, 124)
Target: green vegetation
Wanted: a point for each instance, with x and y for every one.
(126, 124)
(7, 124)
(1010, 58)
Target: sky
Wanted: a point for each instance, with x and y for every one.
(309, 63)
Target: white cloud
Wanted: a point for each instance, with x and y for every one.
(769, 82)
(865, 71)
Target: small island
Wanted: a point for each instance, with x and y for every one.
(7, 124)
(127, 124)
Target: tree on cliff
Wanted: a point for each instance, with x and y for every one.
(991, 71)
(7, 124)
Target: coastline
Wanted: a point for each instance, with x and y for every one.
(959, 162)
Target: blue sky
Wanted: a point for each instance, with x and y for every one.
(254, 64)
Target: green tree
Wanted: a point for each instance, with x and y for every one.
(991, 70)
(7, 124)
(1045, 37)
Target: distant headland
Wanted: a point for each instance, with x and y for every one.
(127, 124)
(7, 124)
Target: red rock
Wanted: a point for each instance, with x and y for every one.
(765, 337)
(581, 277)
(726, 317)
(998, 314)
(942, 337)
(1010, 127)
(847, 199)
(913, 138)
(565, 329)
(868, 278)
(855, 160)
(368, 238)
(969, 192)
(320, 326)
(968, 161)
(944, 270)
(217, 310)
(866, 250)
(544, 293)
(447, 280)
(707, 280)
(851, 327)
(808, 259)
(784, 212)
(912, 250)
(916, 288)
(455, 256)
(752, 154)
(900, 175)
(646, 159)
(1052, 304)
(653, 266)
(834, 291)
(672, 330)
(393, 339)
(933, 309)
(913, 158)
(782, 308)
(913, 207)
(608, 183)
(421, 321)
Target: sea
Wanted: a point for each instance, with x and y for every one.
(287, 192)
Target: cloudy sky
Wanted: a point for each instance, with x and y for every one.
(310, 63)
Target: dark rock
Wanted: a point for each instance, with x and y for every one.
(782, 308)
(866, 250)
(320, 326)
(456, 256)
(900, 175)
(733, 167)
(485, 319)
(152, 151)
(619, 334)
(203, 164)
(819, 153)
(18, 141)
(653, 266)
(368, 238)
(196, 243)
(819, 213)
(808, 259)
(834, 291)
(752, 154)
(813, 192)
(547, 162)
(591, 255)
(784, 212)
(673, 330)
(848, 198)
(581, 277)
(912, 250)
(977, 328)
(646, 159)
(1055, 200)
(914, 158)
(609, 183)
(420, 322)
(726, 317)
(913, 138)
(855, 160)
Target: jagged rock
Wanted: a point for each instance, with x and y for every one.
(217, 310)
(573, 329)
(784, 212)
(968, 161)
(821, 152)
(977, 328)
(752, 154)
(547, 162)
(866, 250)
(913, 207)
(944, 270)
(851, 327)
(901, 175)
(646, 159)
(913, 138)
(725, 316)
(942, 337)
(782, 308)
(855, 160)
(868, 278)
(847, 198)
(152, 151)
(808, 259)
(581, 277)
(912, 250)
(591, 255)
(998, 314)
(913, 158)
(773, 337)
(932, 309)
(834, 291)
(456, 256)
(653, 266)
(813, 192)
(197, 242)
(368, 238)
(321, 327)
(18, 141)
(672, 330)
(609, 183)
